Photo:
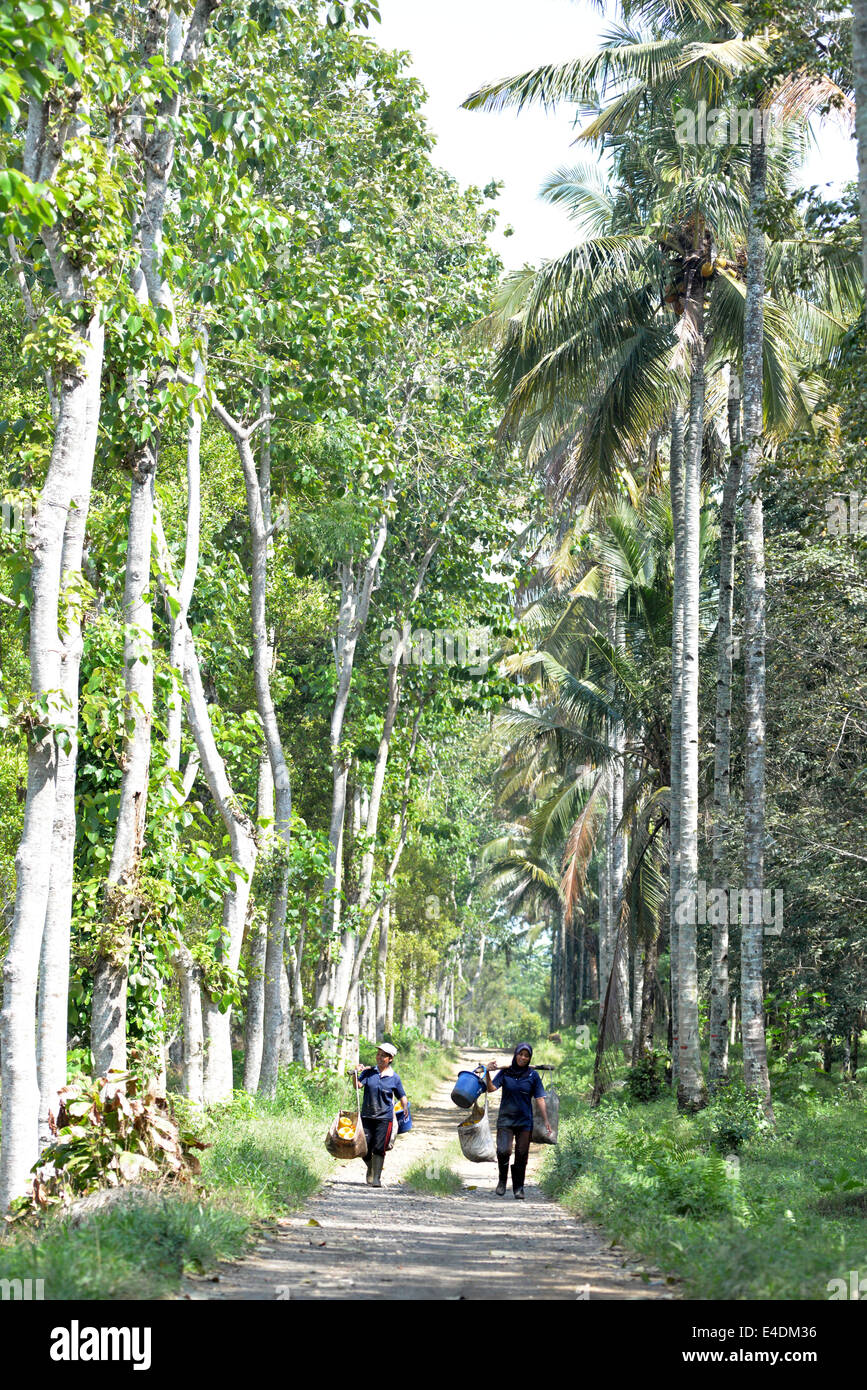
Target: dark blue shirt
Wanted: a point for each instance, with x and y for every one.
(516, 1108)
(379, 1093)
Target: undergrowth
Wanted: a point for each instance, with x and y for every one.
(736, 1208)
(264, 1157)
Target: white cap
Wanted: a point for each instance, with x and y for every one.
(387, 1047)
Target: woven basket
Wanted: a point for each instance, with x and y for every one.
(356, 1147)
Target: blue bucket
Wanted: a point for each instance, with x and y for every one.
(467, 1089)
(404, 1121)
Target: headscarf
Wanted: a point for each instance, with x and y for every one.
(513, 1069)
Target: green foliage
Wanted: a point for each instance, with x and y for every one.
(842, 1180)
(105, 1135)
(433, 1176)
(658, 1182)
(268, 1167)
(402, 1038)
(686, 1182)
(264, 1157)
(311, 247)
(646, 1080)
(737, 1114)
(134, 1249)
(530, 1026)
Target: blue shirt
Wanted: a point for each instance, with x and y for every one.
(516, 1107)
(379, 1093)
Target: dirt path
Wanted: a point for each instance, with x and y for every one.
(353, 1241)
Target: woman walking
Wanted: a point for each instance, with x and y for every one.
(521, 1086)
(381, 1085)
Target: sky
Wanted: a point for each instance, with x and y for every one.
(458, 45)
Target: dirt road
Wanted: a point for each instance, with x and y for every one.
(352, 1241)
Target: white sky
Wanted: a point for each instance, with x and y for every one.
(458, 45)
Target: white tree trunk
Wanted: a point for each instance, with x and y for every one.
(188, 973)
(637, 988)
(859, 64)
(346, 1038)
(53, 1004)
(300, 1045)
(287, 1044)
(677, 514)
(719, 984)
(218, 1082)
(75, 409)
(382, 971)
(618, 856)
(752, 994)
(123, 905)
(690, 1089)
(255, 1016)
(275, 1020)
(393, 691)
(189, 976)
(389, 1008)
(68, 478)
(605, 942)
(256, 1002)
(174, 714)
(258, 514)
(355, 595)
(182, 40)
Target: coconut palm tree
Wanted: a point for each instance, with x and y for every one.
(600, 346)
(602, 704)
(691, 51)
(859, 67)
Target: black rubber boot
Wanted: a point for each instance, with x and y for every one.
(504, 1175)
(368, 1159)
(518, 1171)
(376, 1163)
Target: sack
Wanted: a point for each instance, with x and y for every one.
(552, 1102)
(346, 1138)
(474, 1134)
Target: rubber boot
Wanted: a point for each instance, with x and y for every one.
(367, 1161)
(376, 1163)
(518, 1172)
(504, 1175)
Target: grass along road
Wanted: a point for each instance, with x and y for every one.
(352, 1241)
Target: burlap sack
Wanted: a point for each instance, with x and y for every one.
(552, 1102)
(474, 1135)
